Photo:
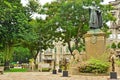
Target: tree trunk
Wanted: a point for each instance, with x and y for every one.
(7, 65)
(70, 49)
(76, 43)
(32, 52)
(8, 55)
(37, 53)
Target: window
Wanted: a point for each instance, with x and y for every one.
(118, 36)
(112, 36)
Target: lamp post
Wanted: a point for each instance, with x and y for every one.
(60, 59)
(54, 69)
(60, 70)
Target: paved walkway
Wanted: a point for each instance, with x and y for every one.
(46, 76)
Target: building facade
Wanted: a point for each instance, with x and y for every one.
(115, 26)
(56, 54)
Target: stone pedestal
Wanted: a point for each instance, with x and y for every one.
(95, 42)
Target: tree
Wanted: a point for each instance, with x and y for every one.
(18, 29)
(21, 54)
(13, 26)
(69, 21)
(42, 38)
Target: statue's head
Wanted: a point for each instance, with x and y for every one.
(93, 3)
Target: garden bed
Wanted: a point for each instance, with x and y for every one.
(16, 70)
(94, 74)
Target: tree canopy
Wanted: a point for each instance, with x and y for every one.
(69, 21)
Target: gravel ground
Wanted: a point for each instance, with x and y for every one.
(46, 76)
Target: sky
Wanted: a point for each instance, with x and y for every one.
(45, 1)
(107, 1)
(42, 2)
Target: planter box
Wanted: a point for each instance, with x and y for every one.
(65, 73)
(54, 72)
(113, 75)
(59, 70)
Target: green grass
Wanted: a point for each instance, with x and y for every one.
(16, 70)
(45, 69)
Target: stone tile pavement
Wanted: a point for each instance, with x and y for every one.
(46, 76)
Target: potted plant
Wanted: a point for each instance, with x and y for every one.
(118, 45)
(113, 46)
(65, 72)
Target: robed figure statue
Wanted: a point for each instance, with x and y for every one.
(95, 21)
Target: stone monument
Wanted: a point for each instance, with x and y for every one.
(95, 43)
(95, 39)
(75, 62)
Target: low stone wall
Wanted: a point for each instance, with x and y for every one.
(74, 71)
(117, 70)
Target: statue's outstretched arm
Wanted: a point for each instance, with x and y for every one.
(85, 7)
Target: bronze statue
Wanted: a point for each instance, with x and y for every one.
(113, 64)
(112, 59)
(95, 21)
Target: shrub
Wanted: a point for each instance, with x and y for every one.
(16, 70)
(45, 69)
(1, 64)
(118, 45)
(95, 66)
(113, 45)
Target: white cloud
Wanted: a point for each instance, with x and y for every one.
(35, 15)
(42, 2)
(24, 2)
(45, 1)
(107, 1)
